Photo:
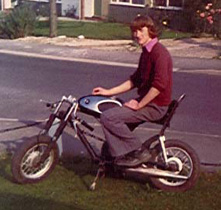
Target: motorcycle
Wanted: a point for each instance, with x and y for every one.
(174, 165)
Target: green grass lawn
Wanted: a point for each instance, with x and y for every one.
(93, 30)
(97, 30)
(67, 188)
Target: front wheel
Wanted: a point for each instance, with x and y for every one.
(27, 164)
(182, 160)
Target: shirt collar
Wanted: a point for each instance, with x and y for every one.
(149, 46)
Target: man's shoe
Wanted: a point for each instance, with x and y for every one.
(134, 159)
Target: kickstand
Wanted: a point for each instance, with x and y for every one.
(100, 174)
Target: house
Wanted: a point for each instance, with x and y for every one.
(89, 8)
(170, 11)
(5, 5)
(116, 10)
(126, 10)
(113, 10)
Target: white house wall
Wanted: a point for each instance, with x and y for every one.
(8, 4)
(89, 8)
(5, 4)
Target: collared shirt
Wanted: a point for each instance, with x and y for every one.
(149, 46)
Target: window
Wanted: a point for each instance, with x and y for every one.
(170, 4)
(176, 3)
(160, 3)
(57, 1)
(129, 2)
(138, 2)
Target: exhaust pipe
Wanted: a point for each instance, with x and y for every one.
(157, 172)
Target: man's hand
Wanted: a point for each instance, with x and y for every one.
(132, 104)
(100, 91)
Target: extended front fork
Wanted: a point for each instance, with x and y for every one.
(57, 134)
(62, 124)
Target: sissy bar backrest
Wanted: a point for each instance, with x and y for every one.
(171, 111)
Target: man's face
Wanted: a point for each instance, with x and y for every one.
(142, 36)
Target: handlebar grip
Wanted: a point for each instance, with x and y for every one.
(48, 105)
(84, 123)
(51, 105)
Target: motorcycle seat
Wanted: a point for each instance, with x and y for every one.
(165, 120)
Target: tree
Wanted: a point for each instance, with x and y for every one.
(53, 18)
(82, 9)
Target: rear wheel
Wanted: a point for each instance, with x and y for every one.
(182, 160)
(27, 164)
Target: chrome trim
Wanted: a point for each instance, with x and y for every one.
(157, 172)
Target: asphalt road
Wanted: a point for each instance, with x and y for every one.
(26, 80)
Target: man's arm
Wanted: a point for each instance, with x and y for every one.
(135, 105)
(152, 93)
(124, 87)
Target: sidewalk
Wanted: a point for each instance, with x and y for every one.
(200, 48)
(187, 53)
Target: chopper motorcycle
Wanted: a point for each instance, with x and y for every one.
(174, 165)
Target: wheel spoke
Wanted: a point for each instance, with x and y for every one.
(31, 167)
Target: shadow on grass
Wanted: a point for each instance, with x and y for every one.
(5, 161)
(27, 202)
(83, 167)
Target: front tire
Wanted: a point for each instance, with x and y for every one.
(26, 165)
(183, 160)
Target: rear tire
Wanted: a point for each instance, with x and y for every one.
(26, 166)
(184, 161)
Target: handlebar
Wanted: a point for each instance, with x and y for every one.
(69, 99)
(49, 104)
(53, 105)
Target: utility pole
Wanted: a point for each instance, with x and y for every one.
(53, 18)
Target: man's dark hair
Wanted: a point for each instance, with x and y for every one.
(141, 21)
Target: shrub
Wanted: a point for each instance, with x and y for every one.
(204, 16)
(18, 23)
(210, 19)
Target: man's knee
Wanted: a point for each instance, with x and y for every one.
(104, 119)
(107, 118)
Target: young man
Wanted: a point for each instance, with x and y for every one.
(153, 79)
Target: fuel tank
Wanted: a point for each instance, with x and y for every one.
(95, 105)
